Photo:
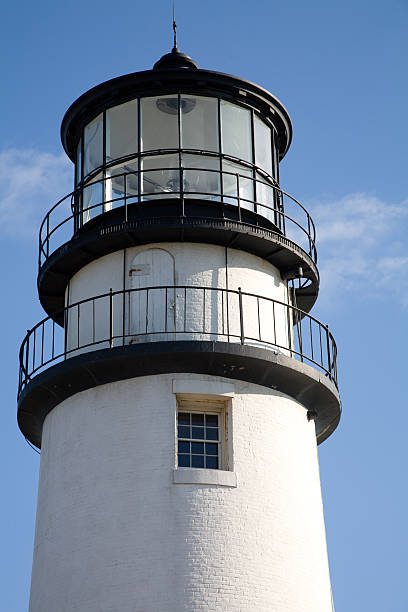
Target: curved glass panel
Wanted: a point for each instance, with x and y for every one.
(123, 185)
(236, 184)
(201, 176)
(178, 121)
(266, 197)
(236, 131)
(160, 177)
(199, 123)
(93, 145)
(121, 130)
(263, 145)
(159, 129)
(92, 199)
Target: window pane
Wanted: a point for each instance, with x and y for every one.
(197, 419)
(184, 447)
(199, 123)
(263, 145)
(266, 197)
(198, 433)
(211, 433)
(197, 461)
(93, 145)
(211, 420)
(236, 131)
(184, 460)
(211, 449)
(205, 178)
(124, 180)
(184, 418)
(231, 183)
(161, 176)
(197, 448)
(92, 199)
(211, 463)
(159, 128)
(184, 432)
(121, 130)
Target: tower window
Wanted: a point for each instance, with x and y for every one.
(198, 440)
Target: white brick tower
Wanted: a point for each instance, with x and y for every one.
(178, 386)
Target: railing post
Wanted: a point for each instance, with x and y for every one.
(39, 248)
(255, 196)
(123, 316)
(329, 364)
(282, 214)
(239, 197)
(125, 190)
(65, 331)
(26, 359)
(182, 191)
(241, 316)
(48, 235)
(309, 236)
(147, 311)
(75, 209)
(110, 318)
(291, 333)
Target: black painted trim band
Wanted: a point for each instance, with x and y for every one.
(261, 366)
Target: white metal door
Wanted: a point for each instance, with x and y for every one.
(152, 300)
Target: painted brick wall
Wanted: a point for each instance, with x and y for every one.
(195, 265)
(114, 533)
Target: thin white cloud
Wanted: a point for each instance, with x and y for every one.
(362, 246)
(31, 181)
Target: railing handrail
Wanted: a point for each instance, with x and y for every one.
(88, 208)
(55, 314)
(295, 321)
(310, 232)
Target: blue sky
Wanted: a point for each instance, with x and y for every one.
(340, 70)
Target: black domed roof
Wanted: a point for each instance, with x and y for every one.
(175, 61)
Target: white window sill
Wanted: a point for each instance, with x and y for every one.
(202, 476)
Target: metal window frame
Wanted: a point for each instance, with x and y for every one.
(179, 93)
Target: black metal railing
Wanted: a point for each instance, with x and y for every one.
(165, 313)
(127, 189)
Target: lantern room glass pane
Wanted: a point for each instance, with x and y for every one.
(267, 199)
(93, 145)
(159, 117)
(263, 145)
(161, 176)
(199, 123)
(122, 185)
(121, 130)
(92, 199)
(201, 176)
(236, 131)
(235, 182)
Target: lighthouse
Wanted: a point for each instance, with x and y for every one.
(178, 385)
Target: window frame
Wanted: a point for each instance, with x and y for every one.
(87, 177)
(204, 405)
